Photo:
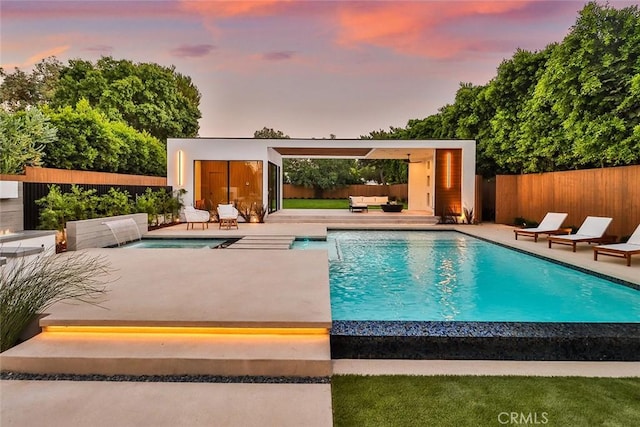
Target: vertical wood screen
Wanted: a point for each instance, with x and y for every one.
(448, 182)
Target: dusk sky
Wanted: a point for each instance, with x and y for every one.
(308, 68)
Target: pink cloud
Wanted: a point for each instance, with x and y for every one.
(431, 29)
(281, 55)
(192, 51)
(226, 9)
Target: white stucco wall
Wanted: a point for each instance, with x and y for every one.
(193, 149)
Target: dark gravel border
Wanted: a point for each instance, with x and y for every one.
(7, 375)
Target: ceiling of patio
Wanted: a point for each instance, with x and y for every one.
(417, 154)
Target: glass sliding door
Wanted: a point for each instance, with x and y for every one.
(245, 182)
(273, 197)
(222, 182)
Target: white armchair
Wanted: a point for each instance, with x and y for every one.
(228, 216)
(193, 215)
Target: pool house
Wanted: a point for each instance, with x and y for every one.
(441, 174)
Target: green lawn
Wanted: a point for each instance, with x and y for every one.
(315, 204)
(442, 401)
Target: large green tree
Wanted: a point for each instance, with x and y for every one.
(89, 140)
(147, 96)
(584, 109)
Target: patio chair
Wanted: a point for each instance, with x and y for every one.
(623, 250)
(592, 230)
(550, 225)
(227, 216)
(193, 215)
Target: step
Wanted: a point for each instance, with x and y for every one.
(171, 354)
(263, 242)
(356, 218)
(259, 246)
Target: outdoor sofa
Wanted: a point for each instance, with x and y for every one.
(362, 203)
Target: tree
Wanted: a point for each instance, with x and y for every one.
(147, 96)
(321, 174)
(23, 138)
(20, 90)
(88, 140)
(268, 133)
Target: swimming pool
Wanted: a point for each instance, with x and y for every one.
(175, 243)
(450, 276)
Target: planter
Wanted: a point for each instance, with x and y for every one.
(391, 208)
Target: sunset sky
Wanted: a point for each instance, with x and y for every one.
(308, 68)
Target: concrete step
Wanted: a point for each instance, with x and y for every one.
(263, 242)
(356, 218)
(171, 354)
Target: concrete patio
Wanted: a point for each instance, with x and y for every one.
(217, 291)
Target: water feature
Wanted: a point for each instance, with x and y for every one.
(124, 230)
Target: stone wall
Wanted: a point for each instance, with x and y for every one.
(93, 233)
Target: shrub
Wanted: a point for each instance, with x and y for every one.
(30, 287)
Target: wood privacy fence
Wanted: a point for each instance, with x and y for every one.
(64, 176)
(399, 191)
(609, 192)
(35, 185)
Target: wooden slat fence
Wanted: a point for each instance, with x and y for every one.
(610, 192)
(64, 176)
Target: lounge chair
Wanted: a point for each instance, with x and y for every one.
(227, 216)
(592, 230)
(550, 225)
(193, 215)
(623, 250)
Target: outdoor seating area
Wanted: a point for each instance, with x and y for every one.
(592, 230)
(362, 203)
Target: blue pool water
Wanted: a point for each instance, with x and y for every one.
(449, 276)
(175, 243)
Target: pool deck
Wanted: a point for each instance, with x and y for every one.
(245, 288)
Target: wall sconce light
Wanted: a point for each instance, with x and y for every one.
(447, 160)
(180, 169)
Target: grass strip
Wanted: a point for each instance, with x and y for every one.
(484, 401)
(315, 204)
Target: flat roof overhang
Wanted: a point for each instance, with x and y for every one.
(362, 148)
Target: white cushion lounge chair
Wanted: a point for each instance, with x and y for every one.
(228, 216)
(550, 225)
(592, 230)
(193, 215)
(624, 250)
